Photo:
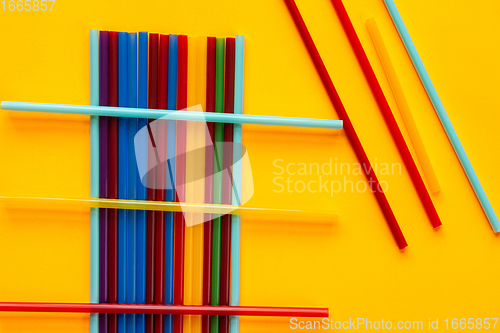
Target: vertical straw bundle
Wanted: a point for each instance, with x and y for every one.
(149, 257)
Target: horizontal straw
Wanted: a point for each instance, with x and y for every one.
(443, 116)
(263, 213)
(171, 115)
(165, 309)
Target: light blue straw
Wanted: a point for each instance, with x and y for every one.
(94, 178)
(443, 116)
(172, 115)
(236, 220)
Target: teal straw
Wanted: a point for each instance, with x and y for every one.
(443, 116)
(172, 115)
(94, 179)
(236, 220)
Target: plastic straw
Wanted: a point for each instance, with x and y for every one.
(170, 174)
(236, 219)
(190, 138)
(161, 176)
(151, 193)
(397, 136)
(132, 180)
(349, 129)
(113, 179)
(180, 179)
(227, 184)
(218, 139)
(122, 175)
(165, 309)
(443, 116)
(209, 183)
(103, 176)
(266, 214)
(141, 189)
(199, 194)
(425, 163)
(94, 178)
(172, 115)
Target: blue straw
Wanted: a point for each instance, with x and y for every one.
(443, 116)
(237, 151)
(94, 178)
(141, 157)
(132, 179)
(122, 176)
(173, 115)
(170, 195)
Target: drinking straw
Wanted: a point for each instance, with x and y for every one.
(113, 179)
(161, 195)
(199, 195)
(443, 116)
(190, 139)
(151, 193)
(173, 115)
(209, 183)
(180, 179)
(132, 180)
(349, 129)
(256, 213)
(165, 309)
(170, 174)
(94, 178)
(218, 139)
(384, 107)
(141, 189)
(122, 175)
(236, 219)
(425, 163)
(398, 93)
(227, 183)
(103, 176)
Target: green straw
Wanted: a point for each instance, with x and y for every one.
(218, 139)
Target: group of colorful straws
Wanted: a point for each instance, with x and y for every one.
(142, 254)
(389, 118)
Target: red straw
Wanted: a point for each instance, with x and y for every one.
(179, 231)
(151, 192)
(113, 179)
(348, 127)
(161, 192)
(209, 184)
(387, 113)
(165, 309)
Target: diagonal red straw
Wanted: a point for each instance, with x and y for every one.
(349, 129)
(397, 136)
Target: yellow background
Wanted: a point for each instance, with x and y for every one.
(353, 266)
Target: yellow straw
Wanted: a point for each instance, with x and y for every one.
(190, 163)
(201, 132)
(263, 214)
(415, 138)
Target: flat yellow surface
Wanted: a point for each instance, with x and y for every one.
(353, 266)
